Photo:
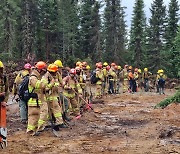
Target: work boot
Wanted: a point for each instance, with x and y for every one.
(66, 117)
(62, 125)
(24, 121)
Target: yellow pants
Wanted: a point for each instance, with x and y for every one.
(47, 110)
(98, 90)
(33, 117)
(74, 105)
(125, 85)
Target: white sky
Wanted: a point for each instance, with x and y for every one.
(130, 4)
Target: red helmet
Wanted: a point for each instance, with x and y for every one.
(41, 65)
(27, 66)
(72, 71)
(108, 67)
(136, 69)
(99, 66)
(113, 64)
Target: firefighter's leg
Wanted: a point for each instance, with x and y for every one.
(98, 90)
(43, 116)
(23, 110)
(33, 117)
(75, 108)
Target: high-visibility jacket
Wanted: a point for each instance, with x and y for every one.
(161, 75)
(124, 74)
(35, 86)
(136, 75)
(19, 78)
(112, 75)
(146, 75)
(130, 76)
(71, 86)
(4, 86)
(100, 76)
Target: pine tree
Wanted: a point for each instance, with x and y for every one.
(137, 34)
(172, 25)
(8, 12)
(156, 34)
(114, 31)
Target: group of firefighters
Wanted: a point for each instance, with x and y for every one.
(57, 94)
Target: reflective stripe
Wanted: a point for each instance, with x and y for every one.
(33, 102)
(50, 85)
(31, 127)
(56, 84)
(44, 81)
(40, 122)
(37, 86)
(58, 114)
(69, 95)
(30, 88)
(52, 98)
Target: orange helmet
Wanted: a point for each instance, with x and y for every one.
(41, 65)
(72, 71)
(116, 67)
(52, 68)
(136, 69)
(113, 64)
(108, 67)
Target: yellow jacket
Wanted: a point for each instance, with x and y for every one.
(18, 80)
(112, 75)
(100, 76)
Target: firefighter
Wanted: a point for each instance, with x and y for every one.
(112, 79)
(161, 77)
(146, 75)
(100, 80)
(71, 88)
(105, 83)
(124, 74)
(51, 105)
(37, 96)
(22, 103)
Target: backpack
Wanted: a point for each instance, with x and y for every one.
(24, 93)
(161, 81)
(93, 77)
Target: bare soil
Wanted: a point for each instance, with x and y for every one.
(119, 124)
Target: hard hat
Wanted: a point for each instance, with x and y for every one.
(146, 69)
(72, 71)
(158, 71)
(113, 64)
(108, 68)
(116, 67)
(78, 63)
(105, 64)
(88, 67)
(58, 63)
(136, 69)
(1, 64)
(130, 67)
(77, 68)
(52, 68)
(99, 65)
(41, 65)
(27, 66)
(84, 64)
(126, 66)
(139, 70)
(119, 67)
(161, 71)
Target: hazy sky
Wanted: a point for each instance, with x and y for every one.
(130, 4)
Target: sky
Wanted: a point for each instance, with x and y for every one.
(130, 4)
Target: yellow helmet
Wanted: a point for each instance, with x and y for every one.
(139, 70)
(1, 64)
(161, 71)
(158, 71)
(58, 63)
(88, 67)
(78, 63)
(146, 69)
(119, 67)
(105, 64)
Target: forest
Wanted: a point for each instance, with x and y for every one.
(92, 31)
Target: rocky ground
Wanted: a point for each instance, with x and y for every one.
(120, 124)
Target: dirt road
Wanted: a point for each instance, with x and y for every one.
(122, 124)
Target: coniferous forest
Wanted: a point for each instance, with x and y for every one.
(91, 30)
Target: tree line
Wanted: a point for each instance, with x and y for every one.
(91, 30)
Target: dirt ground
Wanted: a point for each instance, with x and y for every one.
(120, 124)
